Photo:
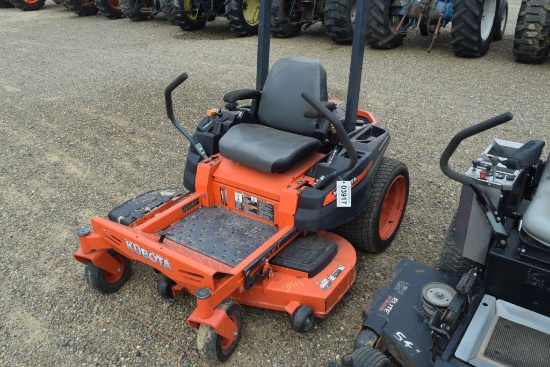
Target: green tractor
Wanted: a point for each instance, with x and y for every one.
(531, 38)
(243, 15)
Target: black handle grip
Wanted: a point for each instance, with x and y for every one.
(168, 94)
(463, 135)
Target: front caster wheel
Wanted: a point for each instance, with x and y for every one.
(106, 282)
(165, 287)
(214, 347)
(302, 319)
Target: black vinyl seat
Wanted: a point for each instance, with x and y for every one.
(283, 137)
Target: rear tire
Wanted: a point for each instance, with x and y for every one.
(5, 4)
(132, 9)
(531, 38)
(82, 8)
(450, 259)
(339, 20)
(501, 19)
(110, 8)
(213, 347)
(381, 25)
(472, 27)
(28, 5)
(105, 282)
(189, 22)
(376, 227)
(370, 357)
(282, 25)
(243, 16)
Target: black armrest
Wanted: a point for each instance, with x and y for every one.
(241, 94)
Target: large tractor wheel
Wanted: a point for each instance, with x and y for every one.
(28, 5)
(82, 8)
(243, 16)
(132, 9)
(339, 19)
(375, 228)
(472, 27)
(189, 20)
(110, 8)
(168, 9)
(282, 25)
(4, 4)
(450, 259)
(501, 19)
(531, 38)
(381, 26)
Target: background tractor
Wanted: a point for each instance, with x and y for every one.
(243, 15)
(531, 39)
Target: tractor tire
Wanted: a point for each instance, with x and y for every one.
(110, 8)
(5, 4)
(281, 24)
(168, 9)
(339, 20)
(369, 357)
(451, 260)
(82, 8)
(376, 227)
(243, 16)
(213, 347)
(472, 27)
(189, 21)
(28, 5)
(381, 26)
(531, 38)
(501, 19)
(105, 282)
(132, 9)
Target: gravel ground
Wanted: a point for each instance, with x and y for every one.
(83, 128)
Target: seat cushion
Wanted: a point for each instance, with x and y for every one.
(266, 149)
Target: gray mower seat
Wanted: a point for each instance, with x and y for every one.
(536, 221)
(284, 137)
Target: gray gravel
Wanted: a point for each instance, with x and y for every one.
(83, 128)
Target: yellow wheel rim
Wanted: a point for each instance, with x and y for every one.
(251, 11)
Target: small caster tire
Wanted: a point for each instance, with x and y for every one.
(105, 282)
(213, 347)
(302, 319)
(165, 287)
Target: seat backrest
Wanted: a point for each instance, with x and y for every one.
(281, 105)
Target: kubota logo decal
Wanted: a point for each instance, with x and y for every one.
(151, 256)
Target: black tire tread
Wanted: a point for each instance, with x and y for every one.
(133, 12)
(281, 24)
(379, 27)
(237, 22)
(362, 232)
(370, 357)
(25, 6)
(338, 21)
(531, 35)
(450, 259)
(466, 28)
(5, 4)
(186, 23)
(82, 8)
(108, 10)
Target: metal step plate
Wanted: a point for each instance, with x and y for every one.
(220, 234)
(503, 334)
